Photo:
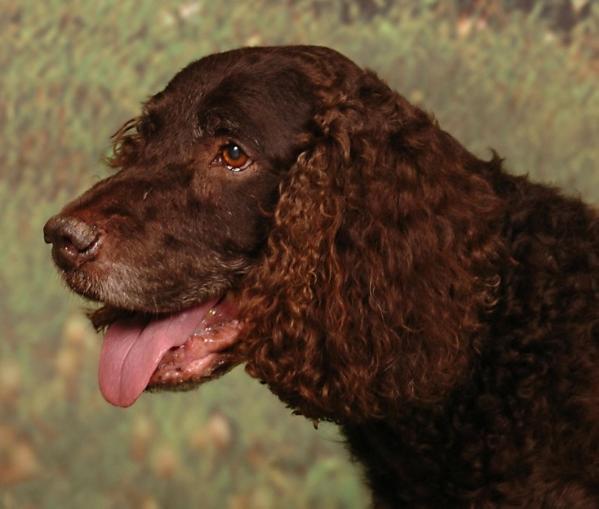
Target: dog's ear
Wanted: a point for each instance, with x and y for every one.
(377, 265)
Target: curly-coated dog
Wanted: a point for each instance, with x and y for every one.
(283, 208)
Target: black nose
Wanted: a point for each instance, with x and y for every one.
(73, 241)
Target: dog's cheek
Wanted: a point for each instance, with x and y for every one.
(249, 204)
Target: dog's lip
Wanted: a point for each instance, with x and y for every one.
(200, 358)
(203, 355)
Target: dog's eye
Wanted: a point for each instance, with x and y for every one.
(234, 157)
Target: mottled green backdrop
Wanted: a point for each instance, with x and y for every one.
(495, 73)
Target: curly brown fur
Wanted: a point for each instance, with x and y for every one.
(442, 311)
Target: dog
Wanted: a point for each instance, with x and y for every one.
(284, 208)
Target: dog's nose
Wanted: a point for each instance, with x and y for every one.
(73, 241)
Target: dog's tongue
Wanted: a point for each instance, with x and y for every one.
(132, 350)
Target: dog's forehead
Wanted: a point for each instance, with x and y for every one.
(273, 81)
(249, 74)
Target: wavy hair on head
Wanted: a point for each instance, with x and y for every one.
(125, 142)
(130, 140)
(377, 270)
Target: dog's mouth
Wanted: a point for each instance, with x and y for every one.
(175, 351)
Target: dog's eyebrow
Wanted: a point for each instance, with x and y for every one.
(216, 122)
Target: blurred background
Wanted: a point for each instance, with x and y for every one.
(519, 76)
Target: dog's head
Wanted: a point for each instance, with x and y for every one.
(289, 194)
(164, 240)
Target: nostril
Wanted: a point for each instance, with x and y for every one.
(78, 244)
(70, 230)
(74, 241)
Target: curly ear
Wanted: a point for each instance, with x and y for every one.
(378, 265)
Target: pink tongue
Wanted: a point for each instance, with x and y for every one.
(132, 350)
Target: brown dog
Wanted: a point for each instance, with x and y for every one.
(284, 208)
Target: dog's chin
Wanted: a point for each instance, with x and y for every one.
(121, 295)
(116, 295)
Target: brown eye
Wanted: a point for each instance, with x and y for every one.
(234, 157)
